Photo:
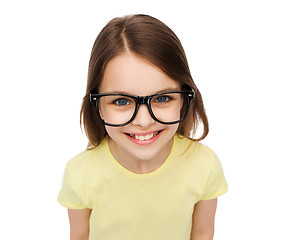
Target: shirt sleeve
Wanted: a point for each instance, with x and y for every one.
(71, 194)
(216, 184)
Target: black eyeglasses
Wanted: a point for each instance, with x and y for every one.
(117, 110)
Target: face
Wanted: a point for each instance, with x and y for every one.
(143, 139)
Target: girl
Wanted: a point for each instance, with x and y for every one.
(144, 176)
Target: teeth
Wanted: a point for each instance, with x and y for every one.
(146, 137)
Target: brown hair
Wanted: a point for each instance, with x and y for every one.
(151, 39)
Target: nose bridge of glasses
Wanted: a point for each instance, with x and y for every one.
(142, 100)
(142, 115)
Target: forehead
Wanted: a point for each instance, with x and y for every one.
(134, 75)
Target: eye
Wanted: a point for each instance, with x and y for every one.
(122, 102)
(162, 99)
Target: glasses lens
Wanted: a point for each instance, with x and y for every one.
(169, 107)
(116, 109)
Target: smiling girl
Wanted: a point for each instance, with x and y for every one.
(144, 176)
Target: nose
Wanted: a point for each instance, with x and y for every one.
(143, 117)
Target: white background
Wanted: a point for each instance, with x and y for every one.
(236, 51)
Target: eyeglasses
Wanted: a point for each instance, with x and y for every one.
(117, 110)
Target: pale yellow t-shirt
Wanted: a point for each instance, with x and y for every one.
(152, 206)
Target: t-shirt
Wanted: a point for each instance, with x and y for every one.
(152, 206)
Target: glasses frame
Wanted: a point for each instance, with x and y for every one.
(141, 100)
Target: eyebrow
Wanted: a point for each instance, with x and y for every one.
(160, 91)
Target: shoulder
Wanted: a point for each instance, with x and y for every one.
(204, 168)
(196, 154)
(85, 160)
(194, 149)
(79, 160)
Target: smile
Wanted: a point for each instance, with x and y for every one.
(144, 138)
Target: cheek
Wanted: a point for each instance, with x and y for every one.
(100, 113)
(113, 132)
(181, 103)
(174, 128)
(100, 110)
(109, 130)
